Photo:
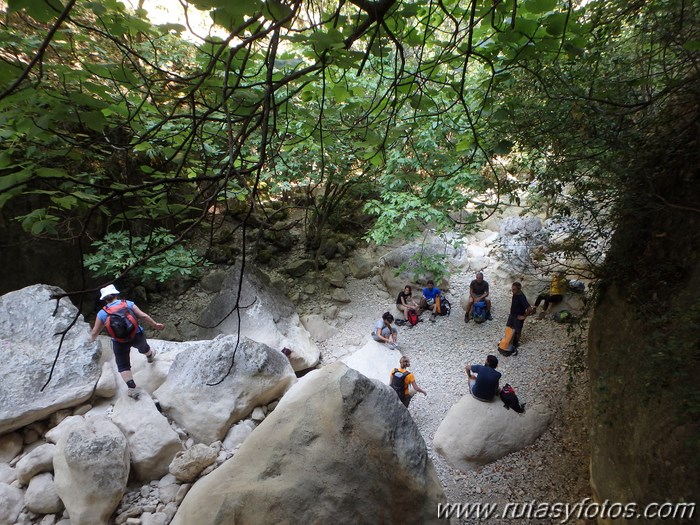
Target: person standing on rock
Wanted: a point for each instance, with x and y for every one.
(519, 309)
(401, 379)
(385, 333)
(483, 379)
(120, 319)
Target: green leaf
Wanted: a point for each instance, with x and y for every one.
(276, 10)
(48, 173)
(12, 179)
(41, 10)
(555, 24)
(692, 45)
(227, 19)
(539, 6)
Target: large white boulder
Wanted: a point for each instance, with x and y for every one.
(266, 314)
(339, 447)
(91, 468)
(475, 432)
(217, 383)
(32, 326)
(152, 442)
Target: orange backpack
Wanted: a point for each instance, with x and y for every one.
(121, 324)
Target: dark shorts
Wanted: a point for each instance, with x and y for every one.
(122, 350)
(515, 323)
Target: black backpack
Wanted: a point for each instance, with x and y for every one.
(398, 382)
(510, 399)
(121, 324)
(445, 306)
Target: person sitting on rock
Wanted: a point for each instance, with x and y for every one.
(483, 379)
(122, 343)
(478, 291)
(430, 294)
(554, 295)
(519, 309)
(401, 379)
(405, 302)
(384, 332)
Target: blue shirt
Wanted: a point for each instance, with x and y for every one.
(486, 382)
(429, 294)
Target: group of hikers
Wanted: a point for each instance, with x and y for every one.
(121, 320)
(483, 379)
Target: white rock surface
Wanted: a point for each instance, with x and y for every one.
(152, 442)
(31, 324)
(205, 394)
(91, 467)
(41, 496)
(374, 360)
(12, 500)
(323, 453)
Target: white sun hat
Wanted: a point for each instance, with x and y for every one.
(108, 290)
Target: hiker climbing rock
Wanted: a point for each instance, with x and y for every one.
(121, 320)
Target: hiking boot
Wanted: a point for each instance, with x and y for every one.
(488, 316)
(432, 318)
(152, 357)
(133, 393)
(466, 318)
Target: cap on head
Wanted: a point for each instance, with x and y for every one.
(107, 291)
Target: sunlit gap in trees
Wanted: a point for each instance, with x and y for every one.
(198, 24)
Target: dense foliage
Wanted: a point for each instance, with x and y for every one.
(422, 114)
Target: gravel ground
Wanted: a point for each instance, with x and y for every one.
(553, 469)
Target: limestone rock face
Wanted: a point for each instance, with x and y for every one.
(475, 433)
(38, 460)
(337, 445)
(30, 327)
(267, 316)
(205, 395)
(319, 329)
(12, 500)
(187, 465)
(41, 497)
(152, 443)
(91, 467)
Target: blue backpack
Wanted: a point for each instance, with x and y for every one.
(479, 315)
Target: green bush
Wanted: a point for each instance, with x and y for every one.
(119, 253)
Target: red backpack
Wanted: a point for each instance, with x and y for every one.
(412, 317)
(121, 324)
